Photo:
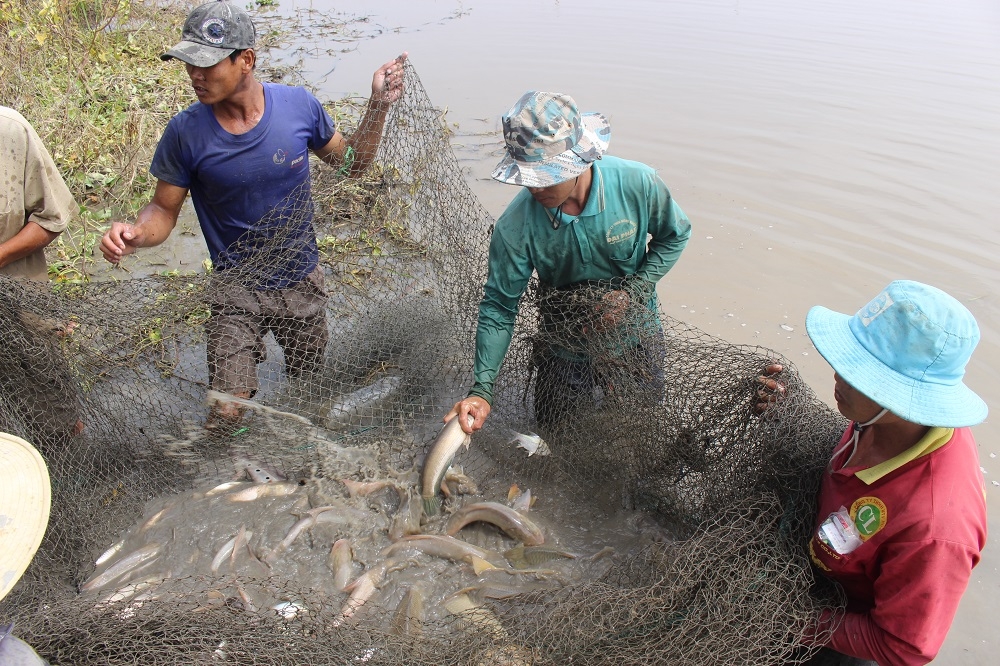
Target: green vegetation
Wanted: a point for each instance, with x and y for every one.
(87, 75)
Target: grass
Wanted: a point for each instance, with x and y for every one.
(87, 75)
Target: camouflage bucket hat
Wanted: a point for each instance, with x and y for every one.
(211, 32)
(549, 141)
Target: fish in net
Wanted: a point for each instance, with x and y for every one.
(623, 504)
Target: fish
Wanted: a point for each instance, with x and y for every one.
(341, 563)
(259, 490)
(106, 555)
(462, 605)
(446, 547)
(464, 485)
(361, 590)
(531, 443)
(354, 405)
(523, 557)
(523, 502)
(365, 488)
(505, 583)
(406, 520)
(289, 610)
(436, 464)
(126, 565)
(515, 525)
(131, 589)
(229, 548)
(223, 487)
(214, 397)
(300, 525)
(409, 617)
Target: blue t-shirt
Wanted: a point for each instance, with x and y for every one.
(238, 180)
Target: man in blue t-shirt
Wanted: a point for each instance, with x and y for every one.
(242, 151)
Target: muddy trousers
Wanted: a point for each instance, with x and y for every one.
(240, 319)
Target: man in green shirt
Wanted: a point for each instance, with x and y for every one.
(583, 219)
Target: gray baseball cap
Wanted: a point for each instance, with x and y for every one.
(212, 32)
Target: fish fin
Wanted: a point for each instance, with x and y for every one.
(479, 565)
(513, 492)
(467, 442)
(432, 506)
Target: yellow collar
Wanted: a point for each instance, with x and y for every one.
(932, 441)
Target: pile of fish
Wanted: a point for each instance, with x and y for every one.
(381, 542)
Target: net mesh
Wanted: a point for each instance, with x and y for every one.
(657, 519)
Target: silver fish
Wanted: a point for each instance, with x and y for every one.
(409, 617)
(361, 591)
(341, 563)
(443, 450)
(259, 490)
(109, 553)
(214, 397)
(355, 405)
(524, 557)
(126, 565)
(300, 525)
(406, 520)
(230, 548)
(514, 524)
(446, 547)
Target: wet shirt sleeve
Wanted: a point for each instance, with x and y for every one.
(916, 598)
(323, 127)
(510, 268)
(169, 164)
(670, 230)
(47, 201)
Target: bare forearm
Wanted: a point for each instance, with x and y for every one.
(153, 224)
(365, 140)
(26, 242)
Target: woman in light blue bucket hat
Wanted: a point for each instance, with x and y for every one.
(901, 519)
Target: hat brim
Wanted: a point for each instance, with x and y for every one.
(925, 403)
(25, 502)
(559, 168)
(197, 54)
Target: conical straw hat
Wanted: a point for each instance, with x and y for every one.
(25, 500)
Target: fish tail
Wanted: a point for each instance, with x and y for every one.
(432, 506)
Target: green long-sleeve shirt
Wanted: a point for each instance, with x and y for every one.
(627, 204)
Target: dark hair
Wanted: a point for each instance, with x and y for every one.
(236, 54)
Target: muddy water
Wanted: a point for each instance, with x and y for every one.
(821, 150)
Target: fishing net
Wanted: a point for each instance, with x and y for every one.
(624, 503)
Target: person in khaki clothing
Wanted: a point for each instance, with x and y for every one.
(35, 204)
(37, 389)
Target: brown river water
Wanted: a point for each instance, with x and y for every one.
(821, 150)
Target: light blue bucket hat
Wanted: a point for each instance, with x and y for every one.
(549, 141)
(907, 351)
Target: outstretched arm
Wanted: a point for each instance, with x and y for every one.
(152, 226)
(357, 151)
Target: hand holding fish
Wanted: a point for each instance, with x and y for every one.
(473, 406)
(770, 389)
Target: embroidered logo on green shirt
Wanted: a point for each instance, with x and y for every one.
(621, 230)
(870, 515)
